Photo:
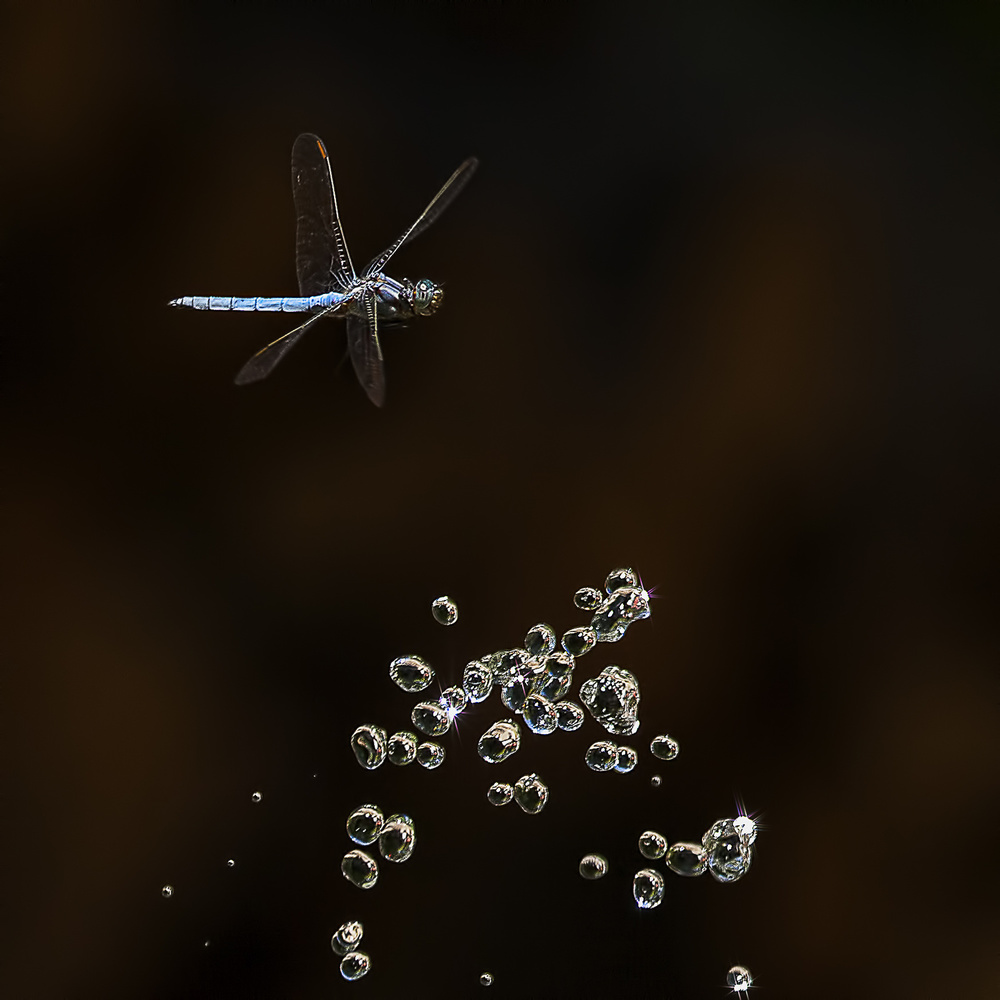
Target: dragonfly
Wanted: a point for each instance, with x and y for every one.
(329, 286)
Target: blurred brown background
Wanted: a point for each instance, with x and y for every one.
(720, 305)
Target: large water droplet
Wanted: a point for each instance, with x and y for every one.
(477, 681)
(613, 699)
(746, 828)
(578, 641)
(729, 852)
(354, 965)
(601, 756)
(625, 760)
(531, 793)
(431, 718)
(454, 700)
(556, 676)
(739, 978)
(401, 748)
(365, 824)
(652, 845)
(485, 979)
(514, 695)
(512, 666)
(588, 598)
(618, 578)
(665, 747)
(621, 609)
(347, 937)
(368, 744)
(411, 673)
(540, 640)
(397, 839)
(360, 869)
(167, 891)
(540, 715)
(430, 755)
(500, 793)
(593, 866)
(647, 888)
(444, 610)
(500, 741)
(687, 859)
(569, 715)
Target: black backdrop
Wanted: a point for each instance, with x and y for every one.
(720, 305)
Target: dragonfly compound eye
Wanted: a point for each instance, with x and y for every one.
(426, 297)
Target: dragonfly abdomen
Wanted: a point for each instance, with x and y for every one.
(235, 303)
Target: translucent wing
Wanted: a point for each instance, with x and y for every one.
(365, 350)
(438, 204)
(262, 363)
(322, 261)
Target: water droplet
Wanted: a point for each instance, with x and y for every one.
(477, 681)
(531, 793)
(588, 598)
(556, 676)
(513, 666)
(593, 866)
(230, 863)
(256, 797)
(500, 741)
(647, 888)
(207, 943)
(454, 700)
(354, 965)
(397, 839)
(729, 852)
(619, 578)
(514, 695)
(687, 859)
(621, 609)
(444, 610)
(485, 979)
(655, 781)
(401, 748)
(540, 715)
(746, 828)
(347, 937)
(500, 793)
(411, 673)
(167, 891)
(431, 718)
(368, 744)
(540, 640)
(739, 978)
(365, 824)
(625, 760)
(430, 755)
(578, 641)
(601, 756)
(652, 845)
(613, 699)
(360, 869)
(569, 715)
(665, 747)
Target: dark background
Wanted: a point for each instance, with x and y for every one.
(720, 305)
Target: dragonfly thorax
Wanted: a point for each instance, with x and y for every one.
(426, 297)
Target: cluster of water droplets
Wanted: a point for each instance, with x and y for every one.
(353, 963)
(367, 825)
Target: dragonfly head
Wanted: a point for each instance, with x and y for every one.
(426, 297)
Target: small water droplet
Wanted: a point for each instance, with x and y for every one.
(444, 610)
(540, 714)
(601, 756)
(347, 937)
(531, 793)
(555, 677)
(621, 609)
(613, 700)
(647, 888)
(655, 781)
(500, 793)
(513, 665)
(588, 598)
(514, 695)
(430, 755)
(665, 747)
(365, 824)
(231, 863)
(354, 965)
(746, 828)
(625, 760)
(739, 978)
(368, 744)
(207, 943)
(593, 866)
(401, 748)
(485, 979)
(167, 891)
(570, 716)
(618, 578)
(477, 681)
(453, 699)
(578, 641)
(652, 845)
(687, 859)
(398, 838)
(256, 797)
(431, 718)
(360, 868)
(540, 640)
(411, 673)
(500, 741)
(729, 852)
